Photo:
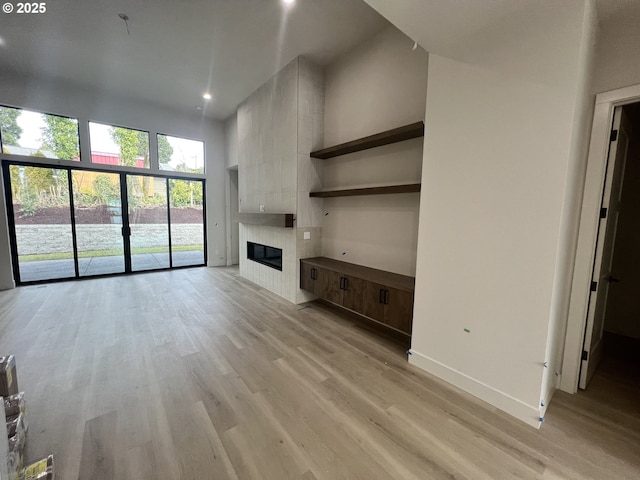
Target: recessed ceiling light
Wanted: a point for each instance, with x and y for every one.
(288, 1)
(206, 96)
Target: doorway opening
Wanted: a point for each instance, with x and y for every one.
(67, 223)
(233, 207)
(611, 348)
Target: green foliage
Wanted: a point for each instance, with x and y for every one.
(127, 141)
(185, 193)
(10, 130)
(165, 150)
(16, 186)
(60, 135)
(132, 144)
(36, 187)
(29, 203)
(105, 190)
(156, 200)
(143, 147)
(182, 167)
(38, 180)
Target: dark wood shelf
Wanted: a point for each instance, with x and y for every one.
(408, 188)
(395, 135)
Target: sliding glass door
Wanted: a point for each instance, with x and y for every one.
(42, 222)
(98, 222)
(69, 223)
(149, 222)
(187, 222)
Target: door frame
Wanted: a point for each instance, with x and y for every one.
(588, 230)
(5, 164)
(230, 212)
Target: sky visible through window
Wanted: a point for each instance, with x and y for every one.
(189, 153)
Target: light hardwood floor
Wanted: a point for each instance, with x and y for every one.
(199, 374)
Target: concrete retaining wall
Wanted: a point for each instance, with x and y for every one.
(39, 239)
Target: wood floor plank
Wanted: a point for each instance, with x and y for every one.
(99, 447)
(198, 373)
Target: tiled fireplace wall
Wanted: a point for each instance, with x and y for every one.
(278, 125)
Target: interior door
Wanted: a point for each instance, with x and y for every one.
(592, 350)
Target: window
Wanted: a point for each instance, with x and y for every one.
(180, 154)
(34, 134)
(120, 146)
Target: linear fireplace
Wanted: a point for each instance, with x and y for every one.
(269, 256)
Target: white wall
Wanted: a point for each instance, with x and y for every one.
(616, 52)
(379, 85)
(617, 48)
(311, 99)
(231, 188)
(233, 231)
(231, 141)
(495, 181)
(570, 220)
(52, 97)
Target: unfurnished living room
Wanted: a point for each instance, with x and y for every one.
(320, 239)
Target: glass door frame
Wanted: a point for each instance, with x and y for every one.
(126, 228)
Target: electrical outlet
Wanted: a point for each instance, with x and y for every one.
(307, 235)
(261, 208)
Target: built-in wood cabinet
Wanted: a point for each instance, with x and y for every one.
(383, 296)
(388, 305)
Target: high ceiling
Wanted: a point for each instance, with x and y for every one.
(459, 28)
(175, 50)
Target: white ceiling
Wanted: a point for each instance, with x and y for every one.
(177, 49)
(456, 28)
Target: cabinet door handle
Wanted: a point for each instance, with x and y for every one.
(313, 274)
(381, 297)
(386, 297)
(341, 283)
(346, 285)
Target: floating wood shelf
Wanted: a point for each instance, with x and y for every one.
(283, 220)
(408, 188)
(395, 135)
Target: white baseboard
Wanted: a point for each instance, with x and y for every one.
(517, 408)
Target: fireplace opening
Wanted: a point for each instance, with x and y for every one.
(264, 254)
